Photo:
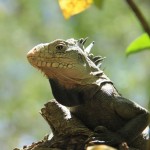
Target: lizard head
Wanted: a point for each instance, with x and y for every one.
(65, 60)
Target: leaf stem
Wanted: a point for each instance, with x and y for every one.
(139, 15)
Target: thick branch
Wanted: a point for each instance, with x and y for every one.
(69, 132)
(139, 15)
(61, 121)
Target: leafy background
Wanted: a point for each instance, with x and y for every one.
(24, 90)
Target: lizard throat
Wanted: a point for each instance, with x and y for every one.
(64, 73)
(66, 81)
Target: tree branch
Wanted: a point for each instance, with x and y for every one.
(139, 15)
(69, 133)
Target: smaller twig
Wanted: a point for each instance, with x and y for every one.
(139, 15)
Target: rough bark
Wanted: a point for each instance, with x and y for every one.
(68, 132)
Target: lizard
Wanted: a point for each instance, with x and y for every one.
(78, 82)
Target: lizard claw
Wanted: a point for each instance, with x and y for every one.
(102, 135)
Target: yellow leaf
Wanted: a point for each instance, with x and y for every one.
(72, 7)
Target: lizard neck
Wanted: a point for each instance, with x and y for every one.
(72, 78)
(75, 81)
(79, 93)
(72, 96)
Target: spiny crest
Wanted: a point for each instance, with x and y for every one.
(96, 59)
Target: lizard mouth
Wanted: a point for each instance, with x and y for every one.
(42, 62)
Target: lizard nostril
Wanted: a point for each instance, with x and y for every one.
(30, 53)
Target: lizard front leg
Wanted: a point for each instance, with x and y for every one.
(136, 120)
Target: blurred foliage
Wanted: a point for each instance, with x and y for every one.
(98, 3)
(139, 44)
(72, 7)
(23, 90)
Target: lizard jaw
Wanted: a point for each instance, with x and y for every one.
(56, 70)
(67, 65)
(39, 57)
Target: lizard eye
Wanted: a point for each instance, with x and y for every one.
(59, 47)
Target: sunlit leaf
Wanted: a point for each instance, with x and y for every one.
(72, 7)
(98, 3)
(139, 44)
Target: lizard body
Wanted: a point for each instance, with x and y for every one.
(78, 83)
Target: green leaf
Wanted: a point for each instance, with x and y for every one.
(98, 3)
(139, 44)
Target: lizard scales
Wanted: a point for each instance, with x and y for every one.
(78, 83)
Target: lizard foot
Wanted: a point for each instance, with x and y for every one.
(104, 136)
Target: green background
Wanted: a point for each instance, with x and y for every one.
(24, 90)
